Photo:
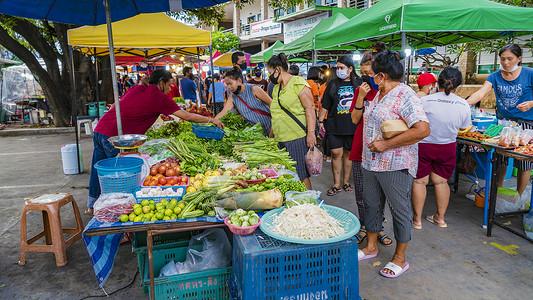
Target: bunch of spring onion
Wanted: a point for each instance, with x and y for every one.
(263, 152)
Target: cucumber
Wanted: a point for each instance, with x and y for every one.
(190, 196)
(193, 214)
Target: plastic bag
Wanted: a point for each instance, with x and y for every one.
(109, 207)
(507, 200)
(506, 137)
(253, 200)
(152, 147)
(515, 142)
(296, 198)
(528, 224)
(294, 175)
(169, 269)
(145, 170)
(313, 161)
(525, 137)
(215, 252)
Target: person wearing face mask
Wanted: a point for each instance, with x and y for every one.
(363, 94)
(426, 84)
(140, 108)
(447, 114)
(251, 101)
(258, 80)
(389, 165)
(513, 86)
(187, 85)
(293, 114)
(339, 128)
(238, 59)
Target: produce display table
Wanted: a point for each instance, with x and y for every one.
(103, 239)
(500, 159)
(485, 165)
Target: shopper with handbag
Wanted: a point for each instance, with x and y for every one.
(389, 165)
(293, 114)
(447, 114)
(251, 101)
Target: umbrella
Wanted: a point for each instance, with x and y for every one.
(224, 60)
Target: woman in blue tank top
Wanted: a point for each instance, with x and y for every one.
(251, 101)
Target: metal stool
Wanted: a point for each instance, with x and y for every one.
(53, 232)
(85, 123)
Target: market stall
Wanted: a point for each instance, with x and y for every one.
(266, 54)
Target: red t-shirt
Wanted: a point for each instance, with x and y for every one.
(174, 91)
(357, 145)
(139, 109)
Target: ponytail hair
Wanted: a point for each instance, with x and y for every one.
(449, 79)
(279, 60)
(388, 62)
(234, 74)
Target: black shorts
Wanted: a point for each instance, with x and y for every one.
(340, 141)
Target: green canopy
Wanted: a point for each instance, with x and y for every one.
(429, 23)
(298, 59)
(266, 54)
(307, 41)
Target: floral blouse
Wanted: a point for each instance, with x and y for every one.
(400, 103)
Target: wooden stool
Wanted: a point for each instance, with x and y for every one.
(53, 232)
(85, 123)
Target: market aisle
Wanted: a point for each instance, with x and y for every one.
(453, 263)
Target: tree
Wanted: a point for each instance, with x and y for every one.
(224, 41)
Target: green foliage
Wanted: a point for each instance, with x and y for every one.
(224, 41)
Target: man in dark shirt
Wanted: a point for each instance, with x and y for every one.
(258, 80)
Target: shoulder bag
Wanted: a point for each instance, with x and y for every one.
(304, 128)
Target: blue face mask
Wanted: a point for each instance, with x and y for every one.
(373, 85)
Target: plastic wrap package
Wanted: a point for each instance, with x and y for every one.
(153, 147)
(296, 198)
(252, 200)
(506, 136)
(528, 224)
(17, 85)
(109, 207)
(215, 252)
(525, 137)
(313, 161)
(507, 200)
(294, 175)
(515, 142)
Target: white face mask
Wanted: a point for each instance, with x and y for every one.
(342, 74)
(509, 71)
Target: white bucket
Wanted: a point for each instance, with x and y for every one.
(68, 156)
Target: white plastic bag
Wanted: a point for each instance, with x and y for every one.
(296, 198)
(169, 269)
(294, 175)
(528, 224)
(215, 253)
(109, 207)
(507, 200)
(313, 161)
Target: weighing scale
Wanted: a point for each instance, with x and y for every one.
(128, 143)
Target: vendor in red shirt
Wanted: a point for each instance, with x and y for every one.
(139, 109)
(366, 92)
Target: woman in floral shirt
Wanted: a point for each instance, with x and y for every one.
(389, 166)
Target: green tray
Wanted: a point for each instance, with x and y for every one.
(349, 222)
(493, 130)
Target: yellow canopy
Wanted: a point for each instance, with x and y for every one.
(224, 60)
(146, 35)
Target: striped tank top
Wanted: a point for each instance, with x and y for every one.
(250, 116)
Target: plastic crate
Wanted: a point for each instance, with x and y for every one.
(208, 132)
(270, 174)
(179, 177)
(267, 268)
(203, 285)
(119, 174)
(158, 199)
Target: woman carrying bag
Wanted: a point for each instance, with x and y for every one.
(293, 114)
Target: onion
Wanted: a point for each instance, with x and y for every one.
(162, 169)
(170, 172)
(153, 171)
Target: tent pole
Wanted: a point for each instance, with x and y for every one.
(113, 68)
(97, 92)
(404, 47)
(74, 109)
(314, 57)
(199, 96)
(212, 78)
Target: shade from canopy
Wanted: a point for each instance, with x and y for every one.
(91, 12)
(307, 41)
(429, 23)
(266, 54)
(146, 35)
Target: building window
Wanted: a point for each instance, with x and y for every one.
(278, 12)
(291, 10)
(258, 17)
(318, 2)
(251, 19)
(330, 2)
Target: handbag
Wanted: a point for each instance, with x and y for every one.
(392, 128)
(466, 164)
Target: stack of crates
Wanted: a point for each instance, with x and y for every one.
(265, 268)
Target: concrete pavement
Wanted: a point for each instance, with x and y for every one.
(458, 262)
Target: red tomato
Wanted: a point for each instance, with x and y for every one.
(162, 181)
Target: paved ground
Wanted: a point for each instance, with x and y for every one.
(454, 263)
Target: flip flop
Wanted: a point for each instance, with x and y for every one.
(333, 191)
(360, 238)
(381, 240)
(432, 220)
(419, 227)
(394, 268)
(88, 212)
(347, 188)
(362, 256)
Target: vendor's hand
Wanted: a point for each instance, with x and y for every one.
(364, 89)
(311, 139)
(218, 123)
(525, 106)
(378, 146)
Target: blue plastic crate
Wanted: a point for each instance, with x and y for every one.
(208, 132)
(119, 174)
(158, 199)
(267, 268)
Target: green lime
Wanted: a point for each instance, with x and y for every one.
(145, 202)
(124, 218)
(168, 212)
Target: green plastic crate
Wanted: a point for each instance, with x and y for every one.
(203, 285)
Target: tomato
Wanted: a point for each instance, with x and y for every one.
(153, 171)
(172, 180)
(153, 182)
(146, 182)
(162, 181)
(162, 169)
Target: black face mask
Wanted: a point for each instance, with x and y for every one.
(273, 79)
(238, 90)
(243, 66)
(366, 79)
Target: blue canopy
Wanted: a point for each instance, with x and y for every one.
(92, 12)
